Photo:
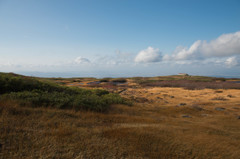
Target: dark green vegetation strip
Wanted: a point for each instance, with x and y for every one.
(29, 91)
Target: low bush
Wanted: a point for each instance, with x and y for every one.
(104, 80)
(120, 80)
(17, 83)
(34, 93)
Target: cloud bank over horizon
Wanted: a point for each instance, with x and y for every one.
(223, 51)
(226, 46)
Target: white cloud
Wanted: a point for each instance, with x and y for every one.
(148, 55)
(181, 53)
(81, 60)
(231, 62)
(224, 46)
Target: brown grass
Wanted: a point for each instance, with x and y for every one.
(153, 127)
(145, 130)
(219, 98)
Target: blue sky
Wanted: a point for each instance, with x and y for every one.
(120, 37)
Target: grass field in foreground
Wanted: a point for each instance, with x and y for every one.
(163, 122)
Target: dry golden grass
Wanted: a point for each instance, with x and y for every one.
(157, 127)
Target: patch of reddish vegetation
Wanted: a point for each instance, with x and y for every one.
(188, 84)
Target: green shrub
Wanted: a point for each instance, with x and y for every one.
(32, 92)
(104, 80)
(62, 100)
(120, 80)
(100, 92)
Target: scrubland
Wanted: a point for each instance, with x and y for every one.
(142, 118)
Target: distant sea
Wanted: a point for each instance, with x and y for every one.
(113, 75)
